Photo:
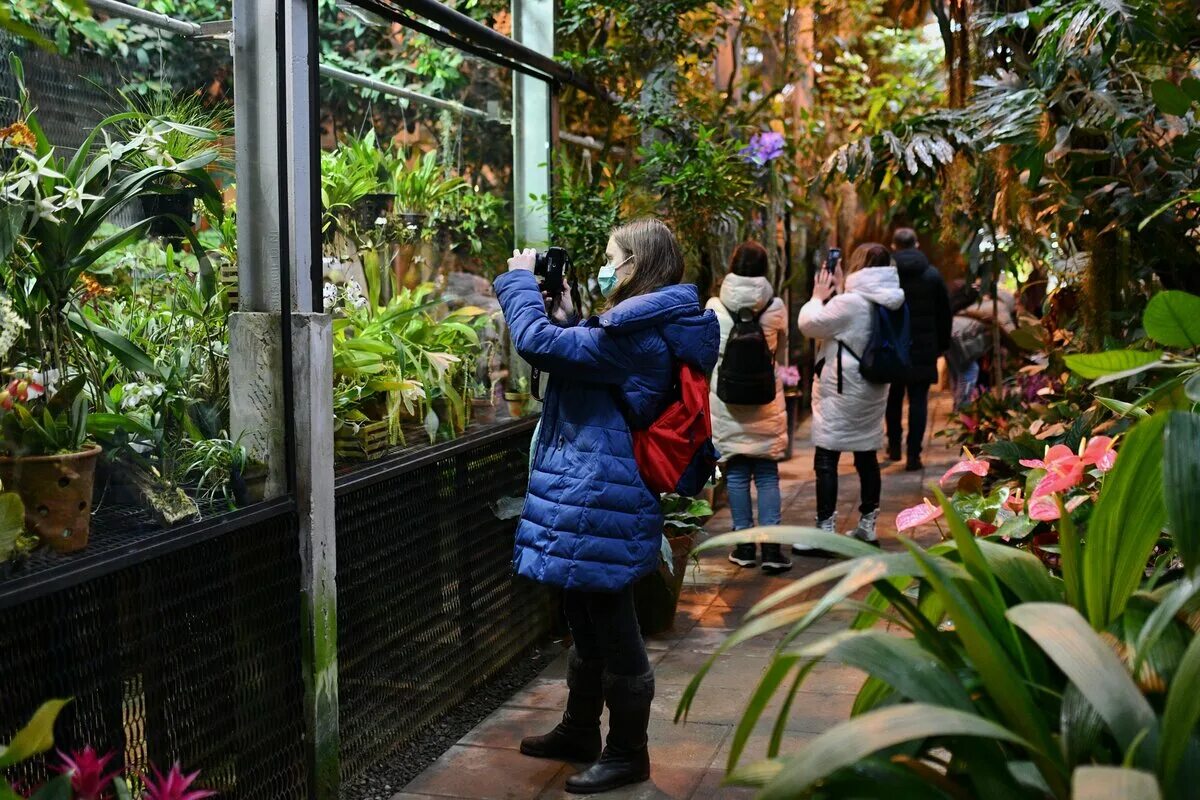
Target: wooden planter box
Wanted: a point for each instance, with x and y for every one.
(364, 442)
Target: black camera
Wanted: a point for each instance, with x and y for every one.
(552, 268)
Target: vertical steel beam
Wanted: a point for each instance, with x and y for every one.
(533, 26)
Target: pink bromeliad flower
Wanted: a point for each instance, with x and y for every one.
(86, 768)
(969, 464)
(917, 515)
(174, 786)
(1045, 508)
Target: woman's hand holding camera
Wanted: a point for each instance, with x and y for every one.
(522, 259)
(827, 283)
(561, 309)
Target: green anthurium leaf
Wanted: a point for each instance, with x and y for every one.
(1192, 87)
(1181, 484)
(1126, 524)
(58, 788)
(1113, 783)
(1093, 667)
(856, 739)
(36, 737)
(1169, 98)
(1172, 319)
(1111, 362)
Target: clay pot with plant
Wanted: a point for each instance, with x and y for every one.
(46, 458)
(517, 397)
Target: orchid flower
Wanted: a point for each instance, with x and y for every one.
(971, 464)
(918, 515)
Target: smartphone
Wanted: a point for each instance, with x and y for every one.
(835, 255)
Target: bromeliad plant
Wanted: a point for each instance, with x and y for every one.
(84, 774)
(1011, 680)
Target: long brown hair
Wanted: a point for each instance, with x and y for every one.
(657, 259)
(871, 254)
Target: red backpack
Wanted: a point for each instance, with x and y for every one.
(676, 453)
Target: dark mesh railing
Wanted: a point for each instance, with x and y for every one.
(188, 653)
(428, 608)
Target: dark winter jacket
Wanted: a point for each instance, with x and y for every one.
(589, 521)
(929, 310)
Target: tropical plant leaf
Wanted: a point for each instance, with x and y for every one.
(1093, 667)
(1169, 98)
(1113, 783)
(854, 740)
(781, 666)
(1110, 362)
(1126, 523)
(1180, 718)
(125, 351)
(1181, 484)
(1172, 319)
(36, 737)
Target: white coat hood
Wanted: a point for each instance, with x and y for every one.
(879, 285)
(738, 292)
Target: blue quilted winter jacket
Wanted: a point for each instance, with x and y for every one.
(589, 521)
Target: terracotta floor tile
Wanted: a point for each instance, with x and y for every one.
(506, 726)
(710, 788)
(666, 783)
(485, 773)
(541, 693)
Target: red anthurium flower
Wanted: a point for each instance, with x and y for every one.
(86, 768)
(971, 464)
(1015, 502)
(173, 786)
(917, 515)
(1099, 451)
(981, 528)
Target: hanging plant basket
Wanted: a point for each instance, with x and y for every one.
(180, 204)
(365, 442)
(413, 221)
(57, 493)
(371, 207)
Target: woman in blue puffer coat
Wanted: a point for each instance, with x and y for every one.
(590, 525)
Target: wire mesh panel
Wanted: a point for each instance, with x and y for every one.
(428, 608)
(191, 656)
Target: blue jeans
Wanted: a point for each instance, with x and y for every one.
(964, 383)
(765, 474)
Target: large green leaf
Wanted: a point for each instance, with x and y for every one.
(1169, 98)
(856, 739)
(1095, 669)
(1021, 573)
(780, 668)
(1173, 319)
(1113, 783)
(1126, 524)
(1110, 362)
(1181, 484)
(1180, 719)
(36, 737)
(125, 351)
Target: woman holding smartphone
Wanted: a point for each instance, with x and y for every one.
(847, 408)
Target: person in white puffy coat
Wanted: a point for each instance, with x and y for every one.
(847, 408)
(751, 438)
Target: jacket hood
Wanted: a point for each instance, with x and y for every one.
(692, 334)
(879, 285)
(738, 292)
(911, 262)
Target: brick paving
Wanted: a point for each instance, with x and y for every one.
(689, 759)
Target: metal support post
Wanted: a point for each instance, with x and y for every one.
(533, 26)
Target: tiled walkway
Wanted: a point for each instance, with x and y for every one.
(688, 759)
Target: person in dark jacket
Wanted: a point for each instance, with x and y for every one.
(929, 311)
(590, 525)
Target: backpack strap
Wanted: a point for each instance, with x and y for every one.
(736, 315)
(843, 346)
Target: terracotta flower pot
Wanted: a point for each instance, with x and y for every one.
(57, 492)
(516, 403)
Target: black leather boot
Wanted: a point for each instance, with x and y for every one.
(577, 737)
(625, 759)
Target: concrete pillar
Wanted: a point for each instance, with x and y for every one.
(276, 173)
(533, 26)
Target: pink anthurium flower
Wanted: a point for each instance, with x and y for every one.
(971, 464)
(1099, 452)
(1064, 470)
(1045, 509)
(917, 515)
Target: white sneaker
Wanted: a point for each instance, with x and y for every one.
(865, 531)
(829, 524)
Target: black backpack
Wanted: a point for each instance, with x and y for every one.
(747, 374)
(888, 354)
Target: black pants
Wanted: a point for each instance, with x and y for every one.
(918, 414)
(605, 626)
(825, 464)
